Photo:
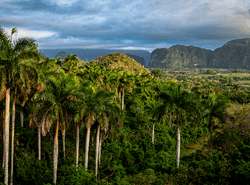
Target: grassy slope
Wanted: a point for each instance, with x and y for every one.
(116, 60)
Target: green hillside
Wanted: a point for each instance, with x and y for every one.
(126, 63)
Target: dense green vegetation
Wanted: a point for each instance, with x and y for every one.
(102, 124)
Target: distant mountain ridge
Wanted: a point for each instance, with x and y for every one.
(234, 54)
(180, 55)
(92, 54)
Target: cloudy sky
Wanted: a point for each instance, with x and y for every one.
(127, 24)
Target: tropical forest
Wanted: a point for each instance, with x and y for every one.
(113, 121)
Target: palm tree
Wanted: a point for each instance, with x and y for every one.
(28, 84)
(108, 112)
(71, 63)
(79, 96)
(46, 70)
(236, 87)
(12, 138)
(110, 80)
(10, 57)
(59, 63)
(215, 108)
(229, 85)
(143, 85)
(22, 82)
(97, 106)
(78, 127)
(54, 100)
(92, 72)
(177, 102)
(151, 110)
(43, 125)
(124, 82)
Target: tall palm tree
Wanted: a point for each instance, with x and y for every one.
(46, 70)
(110, 80)
(78, 127)
(124, 82)
(152, 110)
(12, 137)
(11, 54)
(177, 102)
(214, 108)
(108, 112)
(22, 82)
(43, 125)
(97, 106)
(79, 96)
(28, 84)
(54, 100)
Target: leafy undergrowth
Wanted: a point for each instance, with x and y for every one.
(191, 147)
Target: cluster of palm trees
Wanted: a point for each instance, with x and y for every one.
(176, 105)
(17, 79)
(61, 92)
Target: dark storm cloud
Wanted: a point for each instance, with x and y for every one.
(128, 23)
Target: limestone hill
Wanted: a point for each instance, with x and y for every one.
(126, 63)
(179, 55)
(234, 54)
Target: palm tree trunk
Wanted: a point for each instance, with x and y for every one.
(3, 147)
(178, 146)
(122, 100)
(21, 115)
(39, 142)
(153, 133)
(77, 144)
(97, 148)
(87, 148)
(63, 139)
(55, 154)
(6, 135)
(100, 149)
(12, 138)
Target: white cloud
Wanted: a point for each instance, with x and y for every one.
(70, 42)
(134, 48)
(30, 33)
(224, 7)
(128, 41)
(179, 13)
(62, 2)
